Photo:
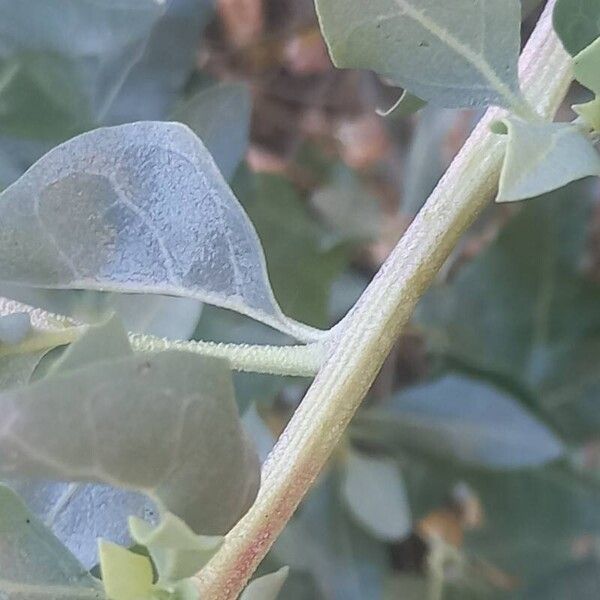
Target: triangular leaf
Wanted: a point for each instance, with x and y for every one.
(266, 587)
(176, 550)
(148, 212)
(541, 157)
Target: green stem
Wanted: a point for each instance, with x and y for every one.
(364, 338)
(300, 361)
(53, 330)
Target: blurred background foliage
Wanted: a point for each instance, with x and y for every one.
(473, 470)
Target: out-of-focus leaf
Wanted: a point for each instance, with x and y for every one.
(424, 164)
(580, 580)
(17, 369)
(220, 117)
(266, 587)
(543, 157)
(374, 492)
(176, 550)
(14, 328)
(459, 54)
(155, 82)
(219, 325)
(321, 540)
(532, 520)
(466, 421)
(136, 195)
(522, 310)
(577, 23)
(347, 207)
(587, 66)
(164, 424)
(301, 270)
(125, 575)
(33, 563)
(73, 54)
(406, 105)
(154, 314)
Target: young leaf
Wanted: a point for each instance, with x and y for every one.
(176, 550)
(266, 587)
(33, 563)
(453, 54)
(577, 23)
(149, 212)
(461, 419)
(166, 425)
(374, 492)
(125, 575)
(541, 157)
(590, 113)
(220, 117)
(587, 67)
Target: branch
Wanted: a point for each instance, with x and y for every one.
(365, 337)
(51, 330)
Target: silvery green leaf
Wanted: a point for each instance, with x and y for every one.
(78, 514)
(453, 54)
(541, 157)
(163, 424)
(577, 23)
(461, 419)
(176, 550)
(374, 492)
(587, 67)
(62, 62)
(266, 587)
(148, 212)
(33, 563)
(220, 117)
(406, 105)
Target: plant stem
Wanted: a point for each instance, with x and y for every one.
(53, 330)
(365, 337)
(300, 361)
